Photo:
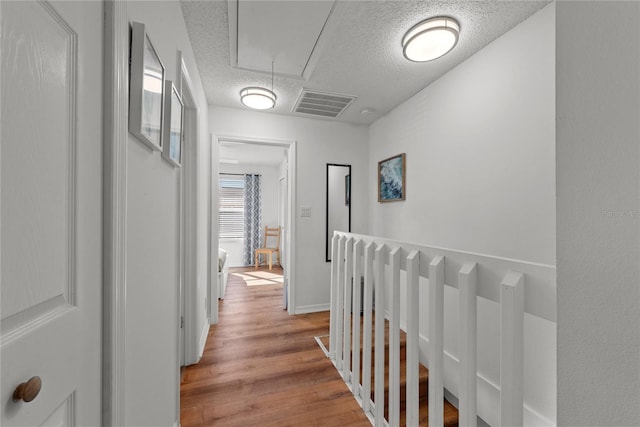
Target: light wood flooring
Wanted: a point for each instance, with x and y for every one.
(262, 367)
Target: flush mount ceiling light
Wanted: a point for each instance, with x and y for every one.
(430, 39)
(258, 98)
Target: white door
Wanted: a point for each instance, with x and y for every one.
(51, 211)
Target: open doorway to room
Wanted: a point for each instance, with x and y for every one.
(192, 316)
(254, 214)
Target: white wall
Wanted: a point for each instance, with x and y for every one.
(151, 365)
(480, 177)
(318, 142)
(598, 213)
(269, 205)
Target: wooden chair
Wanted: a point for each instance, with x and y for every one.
(269, 250)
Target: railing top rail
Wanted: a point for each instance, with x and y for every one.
(540, 279)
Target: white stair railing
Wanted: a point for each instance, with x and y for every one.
(377, 264)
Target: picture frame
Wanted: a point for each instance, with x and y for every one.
(392, 179)
(146, 89)
(173, 125)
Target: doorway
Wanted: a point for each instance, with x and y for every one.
(189, 333)
(229, 153)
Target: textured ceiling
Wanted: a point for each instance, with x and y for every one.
(359, 52)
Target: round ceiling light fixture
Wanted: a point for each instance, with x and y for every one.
(258, 98)
(430, 39)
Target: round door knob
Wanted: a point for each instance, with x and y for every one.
(29, 390)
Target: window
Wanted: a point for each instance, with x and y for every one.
(231, 213)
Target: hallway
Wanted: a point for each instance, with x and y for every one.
(263, 367)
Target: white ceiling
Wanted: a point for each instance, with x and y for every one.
(358, 52)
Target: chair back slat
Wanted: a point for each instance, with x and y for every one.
(271, 232)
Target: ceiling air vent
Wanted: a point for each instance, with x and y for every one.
(322, 104)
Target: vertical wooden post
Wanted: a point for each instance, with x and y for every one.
(348, 276)
(413, 383)
(381, 254)
(339, 260)
(467, 285)
(333, 313)
(368, 308)
(357, 300)
(436, 342)
(394, 340)
(511, 349)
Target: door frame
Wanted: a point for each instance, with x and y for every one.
(213, 286)
(291, 146)
(282, 207)
(115, 115)
(188, 226)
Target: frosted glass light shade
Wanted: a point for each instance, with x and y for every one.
(430, 39)
(258, 98)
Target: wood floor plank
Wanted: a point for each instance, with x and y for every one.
(263, 367)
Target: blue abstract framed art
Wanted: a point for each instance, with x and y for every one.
(391, 179)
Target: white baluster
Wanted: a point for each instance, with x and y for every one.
(467, 284)
(436, 341)
(357, 297)
(348, 273)
(348, 276)
(340, 296)
(413, 372)
(381, 254)
(394, 340)
(511, 349)
(368, 308)
(334, 297)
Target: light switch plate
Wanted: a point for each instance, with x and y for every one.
(305, 211)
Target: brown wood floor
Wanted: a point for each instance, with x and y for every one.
(262, 367)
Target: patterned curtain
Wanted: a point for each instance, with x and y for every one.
(252, 216)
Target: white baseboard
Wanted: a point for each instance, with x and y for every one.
(203, 339)
(314, 308)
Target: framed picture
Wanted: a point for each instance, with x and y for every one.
(172, 135)
(347, 190)
(391, 179)
(146, 89)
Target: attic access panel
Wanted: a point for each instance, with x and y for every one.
(285, 32)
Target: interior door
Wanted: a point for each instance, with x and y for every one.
(51, 212)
